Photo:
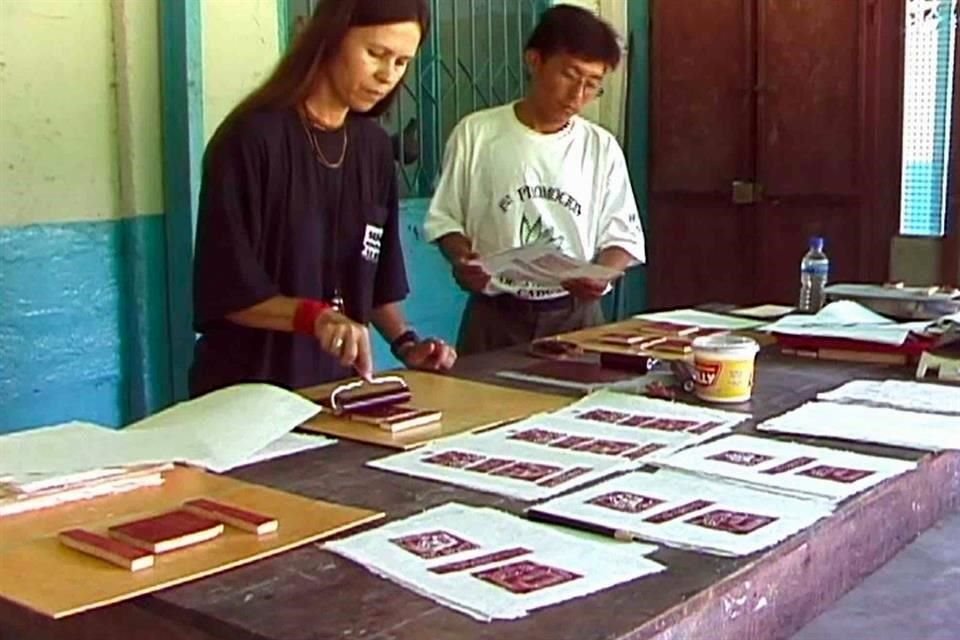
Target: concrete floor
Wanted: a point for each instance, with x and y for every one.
(915, 596)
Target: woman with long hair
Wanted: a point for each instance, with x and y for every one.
(298, 245)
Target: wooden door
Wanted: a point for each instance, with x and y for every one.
(799, 97)
(701, 116)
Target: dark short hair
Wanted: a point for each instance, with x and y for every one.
(577, 32)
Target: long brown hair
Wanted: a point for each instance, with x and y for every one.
(295, 75)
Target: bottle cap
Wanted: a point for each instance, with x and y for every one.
(816, 243)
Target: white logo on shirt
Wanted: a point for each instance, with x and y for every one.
(371, 243)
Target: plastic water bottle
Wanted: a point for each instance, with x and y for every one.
(814, 269)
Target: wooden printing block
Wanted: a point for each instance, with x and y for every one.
(627, 362)
(232, 516)
(371, 399)
(114, 551)
(166, 532)
(667, 329)
(394, 417)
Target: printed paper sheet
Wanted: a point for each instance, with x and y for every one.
(787, 466)
(491, 565)
(690, 512)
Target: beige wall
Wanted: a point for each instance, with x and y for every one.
(240, 47)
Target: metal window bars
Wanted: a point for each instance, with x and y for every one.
(472, 59)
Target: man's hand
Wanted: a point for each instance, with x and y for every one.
(345, 340)
(431, 354)
(470, 275)
(586, 289)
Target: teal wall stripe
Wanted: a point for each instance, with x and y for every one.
(183, 140)
(637, 144)
(83, 322)
(283, 25)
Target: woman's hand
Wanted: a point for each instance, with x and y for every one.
(345, 340)
(431, 354)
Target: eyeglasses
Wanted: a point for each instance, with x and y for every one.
(588, 86)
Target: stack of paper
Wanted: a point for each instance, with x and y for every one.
(688, 512)
(849, 320)
(491, 565)
(787, 467)
(701, 319)
(50, 491)
(899, 394)
(869, 424)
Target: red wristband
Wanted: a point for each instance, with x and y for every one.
(305, 317)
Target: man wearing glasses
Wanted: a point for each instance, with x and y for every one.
(534, 172)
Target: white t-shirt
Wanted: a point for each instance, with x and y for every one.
(505, 185)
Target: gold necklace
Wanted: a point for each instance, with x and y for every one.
(308, 128)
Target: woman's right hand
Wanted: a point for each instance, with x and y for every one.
(345, 340)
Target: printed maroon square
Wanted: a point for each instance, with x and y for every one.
(705, 427)
(625, 501)
(606, 447)
(643, 451)
(836, 474)
(490, 464)
(789, 465)
(604, 415)
(433, 544)
(455, 459)
(676, 512)
(743, 458)
(636, 420)
(571, 441)
(734, 522)
(566, 476)
(670, 424)
(526, 576)
(537, 436)
(529, 471)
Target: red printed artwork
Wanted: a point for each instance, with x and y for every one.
(479, 561)
(455, 459)
(528, 471)
(625, 501)
(604, 415)
(567, 475)
(490, 464)
(636, 421)
(570, 442)
(789, 465)
(433, 544)
(606, 447)
(526, 577)
(836, 474)
(732, 521)
(705, 427)
(744, 458)
(676, 512)
(670, 424)
(645, 450)
(537, 436)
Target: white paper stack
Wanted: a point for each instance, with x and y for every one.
(787, 467)
(701, 319)
(899, 394)
(491, 565)
(869, 424)
(690, 512)
(507, 467)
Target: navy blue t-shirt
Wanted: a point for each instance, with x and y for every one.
(273, 220)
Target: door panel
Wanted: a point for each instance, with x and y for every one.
(701, 114)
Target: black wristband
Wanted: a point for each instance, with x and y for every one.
(405, 338)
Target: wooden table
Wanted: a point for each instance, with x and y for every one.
(309, 593)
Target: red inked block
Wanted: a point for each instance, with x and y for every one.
(113, 551)
(166, 532)
(232, 516)
(393, 417)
